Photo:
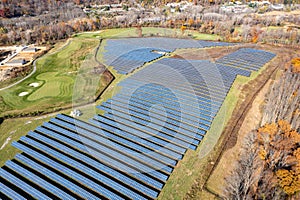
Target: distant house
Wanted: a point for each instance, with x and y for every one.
(264, 3)
(16, 63)
(2, 13)
(30, 50)
(152, 19)
(277, 6)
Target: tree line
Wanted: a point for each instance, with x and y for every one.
(269, 162)
(49, 20)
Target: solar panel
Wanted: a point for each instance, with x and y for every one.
(10, 192)
(113, 137)
(21, 184)
(36, 179)
(50, 174)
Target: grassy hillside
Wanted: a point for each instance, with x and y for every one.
(55, 75)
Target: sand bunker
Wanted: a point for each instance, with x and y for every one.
(23, 94)
(34, 84)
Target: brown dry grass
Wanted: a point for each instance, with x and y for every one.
(204, 54)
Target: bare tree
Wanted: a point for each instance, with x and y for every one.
(241, 181)
(283, 101)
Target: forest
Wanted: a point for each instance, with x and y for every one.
(46, 21)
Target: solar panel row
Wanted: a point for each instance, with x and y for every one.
(246, 59)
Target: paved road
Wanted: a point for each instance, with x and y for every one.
(34, 68)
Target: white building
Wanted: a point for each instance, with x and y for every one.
(30, 50)
(16, 63)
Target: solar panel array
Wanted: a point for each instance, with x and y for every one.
(247, 59)
(125, 55)
(131, 150)
(136, 58)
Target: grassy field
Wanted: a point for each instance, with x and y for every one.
(147, 31)
(12, 130)
(203, 36)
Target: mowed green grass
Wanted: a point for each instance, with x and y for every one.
(56, 73)
(59, 86)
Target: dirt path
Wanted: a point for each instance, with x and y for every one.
(6, 142)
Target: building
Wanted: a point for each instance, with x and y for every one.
(16, 63)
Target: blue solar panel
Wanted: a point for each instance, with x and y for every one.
(102, 190)
(101, 140)
(115, 131)
(109, 136)
(182, 97)
(10, 192)
(36, 179)
(175, 112)
(72, 174)
(169, 126)
(153, 99)
(158, 115)
(50, 174)
(21, 184)
(107, 151)
(104, 168)
(116, 164)
(103, 122)
(247, 59)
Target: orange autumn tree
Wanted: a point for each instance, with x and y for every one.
(182, 28)
(268, 166)
(296, 65)
(280, 150)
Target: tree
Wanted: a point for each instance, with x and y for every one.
(283, 99)
(182, 28)
(242, 178)
(280, 145)
(269, 165)
(296, 65)
(139, 31)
